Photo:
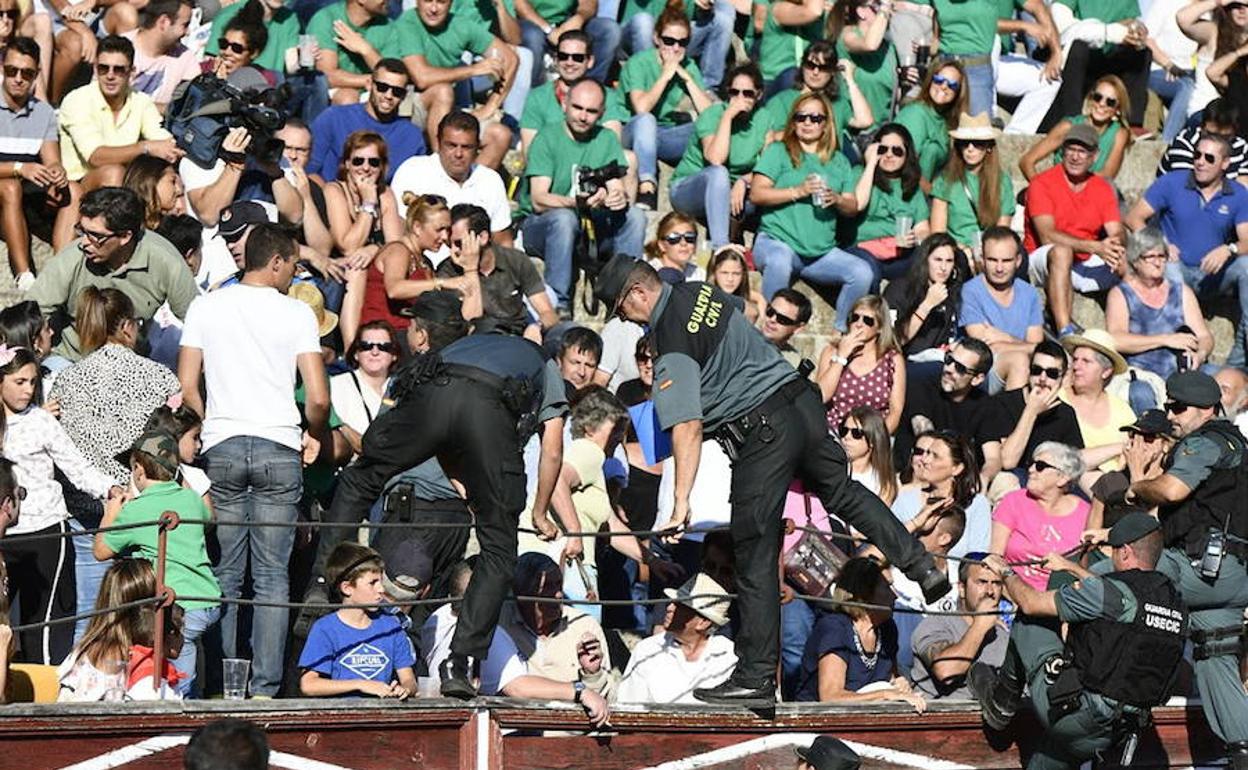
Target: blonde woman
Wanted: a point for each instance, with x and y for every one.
(1105, 108)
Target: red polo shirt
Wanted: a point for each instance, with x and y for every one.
(1081, 214)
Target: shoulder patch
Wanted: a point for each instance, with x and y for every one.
(665, 384)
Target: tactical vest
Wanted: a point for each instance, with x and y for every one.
(1186, 524)
(1134, 663)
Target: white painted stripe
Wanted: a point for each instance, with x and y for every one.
(292, 762)
(790, 740)
(483, 739)
(127, 754)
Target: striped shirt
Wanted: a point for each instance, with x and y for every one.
(1181, 154)
(24, 130)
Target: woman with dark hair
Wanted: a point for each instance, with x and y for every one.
(821, 72)
(1218, 28)
(974, 193)
(931, 116)
(243, 40)
(159, 187)
(887, 192)
(356, 393)
(278, 22)
(928, 297)
(944, 472)
(868, 447)
(711, 180)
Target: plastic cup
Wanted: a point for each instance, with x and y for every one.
(234, 677)
(307, 52)
(905, 224)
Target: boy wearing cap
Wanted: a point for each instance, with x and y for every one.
(154, 472)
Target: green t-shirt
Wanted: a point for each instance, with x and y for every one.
(443, 47)
(808, 229)
(967, 27)
(963, 199)
(652, 7)
(188, 570)
(782, 47)
(1104, 148)
(283, 31)
(930, 134)
(480, 12)
(555, 12)
(744, 144)
(880, 218)
(542, 108)
(642, 71)
(876, 76)
(1108, 11)
(555, 154)
(379, 32)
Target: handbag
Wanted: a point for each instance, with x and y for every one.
(814, 562)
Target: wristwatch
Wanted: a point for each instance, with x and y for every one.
(1233, 247)
(367, 208)
(1007, 573)
(546, 30)
(842, 360)
(578, 689)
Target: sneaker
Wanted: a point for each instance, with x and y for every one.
(24, 281)
(1070, 329)
(649, 199)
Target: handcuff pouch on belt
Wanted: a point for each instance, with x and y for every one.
(1065, 688)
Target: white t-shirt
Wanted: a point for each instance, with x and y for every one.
(502, 663)
(659, 673)
(619, 351)
(250, 337)
(424, 174)
(709, 506)
(356, 406)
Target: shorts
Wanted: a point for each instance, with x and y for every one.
(1086, 277)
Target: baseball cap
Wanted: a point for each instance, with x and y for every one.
(240, 215)
(1153, 422)
(1132, 527)
(160, 446)
(1082, 133)
(409, 567)
(439, 307)
(1193, 388)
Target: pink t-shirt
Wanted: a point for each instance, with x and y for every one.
(1034, 533)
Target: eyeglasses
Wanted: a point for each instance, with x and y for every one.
(920, 451)
(579, 58)
(226, 45)
(11, 14)
(748, 93)
(642, 358)
(297, 150)
(674, 42)
(941, 80)
(675, 238)
(825, 66)
(104, 70)
(979, 144)
(1052, 372)
(1176, 407)
(781, 318)
(845, 430)
(359, 161)
(959, 367)
(896, 150)
(384, 347)
(1041, 466)
(867, 320)
(389, 88)
(12, 72)
(99, 239)
(809, 117)
(1100, 98)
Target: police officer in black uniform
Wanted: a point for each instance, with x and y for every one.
(471, 406)
(716, 374)
(1200, 489)
(1121, 655)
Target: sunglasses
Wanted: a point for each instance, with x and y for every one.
(845, 430)
(1148, 438)
(226, 45)
(748, 93)
(98, 239)
(1041, 466)
(104, 70)
(1108, 101)
(358, 161)
(388, 88)
(896, 150)
(11, 14)
(979, 144)
(809, 117)
(642, 358)
(941, 80)
(675, 238)
(781, 318)
(1052, 372)
(826, 66)
(1208, 156)
(579, 58)
(27, 73)
(959, 367)
(920, 451)
(1176, 407)
(384, 347)
(674, 42)
(1235, 6)
(867, 320)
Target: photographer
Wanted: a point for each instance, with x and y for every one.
(556, 199)
(210, 191)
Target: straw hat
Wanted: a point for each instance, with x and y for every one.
(307, 293)
(1099, 340)
(704, 587)
(975, 127)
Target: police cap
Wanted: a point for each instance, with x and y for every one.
(1132, 527)
(438, 307)
(611, 279)
(1193, 389)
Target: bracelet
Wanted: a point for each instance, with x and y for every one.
(437, 284)
(842, 360)
(17, 168)
(146, 149)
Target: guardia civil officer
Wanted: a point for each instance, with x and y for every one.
(1122, 651)
(467, 406)
(1199, 490)
(716, 374)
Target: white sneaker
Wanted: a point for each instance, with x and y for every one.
(24, 281)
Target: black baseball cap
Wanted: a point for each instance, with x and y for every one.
(828, 753)
(1132, 527)
(1193, 388)
(1153, 422)
(238, 216)
(611, 279)
(409, 567)
(438, 307)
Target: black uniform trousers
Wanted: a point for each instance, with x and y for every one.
(465, 425)
(791, 440)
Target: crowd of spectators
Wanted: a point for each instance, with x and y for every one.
(216, 335)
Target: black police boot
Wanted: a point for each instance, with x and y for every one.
(731, 693)
(998, 693)
(1238, 752)
(456, 675)
(935, 584)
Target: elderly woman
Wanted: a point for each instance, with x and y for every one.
(1044, 516)
(1155, 322)
(943, 467)
(851, 655)
(1094, 360)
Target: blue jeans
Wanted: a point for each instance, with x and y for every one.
(781, 265)
(983, 88)
(796, 621)
(513, 104)
(652, 142)
(194, 624)
(892, 269)
(552, 236)
(785, 80)
(1176, 95)
(705, 195)
(256, 480)
(637, 34)
(1234, 277)
(710, 40)
(88, 574)
(309, 94)
(603, 33)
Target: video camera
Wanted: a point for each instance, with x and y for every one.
(204, 109)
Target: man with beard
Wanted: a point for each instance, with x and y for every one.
(1003, 310)
(954, 402)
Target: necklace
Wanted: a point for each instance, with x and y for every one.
(867, 660)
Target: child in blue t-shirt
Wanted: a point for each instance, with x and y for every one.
(357, 649)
